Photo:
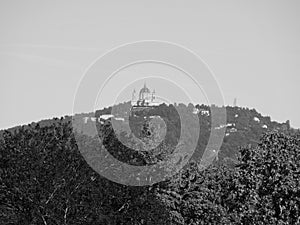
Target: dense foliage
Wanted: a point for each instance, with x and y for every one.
(262, 188)
(45, 180)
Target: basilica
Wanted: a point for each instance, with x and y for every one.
(146, 98)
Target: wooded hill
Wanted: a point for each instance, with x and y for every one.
(44, 178)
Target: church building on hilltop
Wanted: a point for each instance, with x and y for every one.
(146, 98)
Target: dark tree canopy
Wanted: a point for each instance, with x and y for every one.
(44, 179)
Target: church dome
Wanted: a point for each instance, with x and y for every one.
(145, 98)
(144, 90)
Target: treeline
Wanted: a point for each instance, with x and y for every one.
(44, 179)
(243, 126)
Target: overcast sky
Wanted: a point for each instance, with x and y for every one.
(252, 47)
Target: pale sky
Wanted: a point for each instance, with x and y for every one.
(252, 47)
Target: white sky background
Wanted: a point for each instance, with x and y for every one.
(252, 47)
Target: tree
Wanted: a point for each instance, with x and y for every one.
(266, 187)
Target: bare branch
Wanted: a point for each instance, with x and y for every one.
(51, 196)
(66, 212)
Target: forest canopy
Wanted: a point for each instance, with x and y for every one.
(44, 179)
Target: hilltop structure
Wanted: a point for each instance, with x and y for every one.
(235, 102)
(146, 98)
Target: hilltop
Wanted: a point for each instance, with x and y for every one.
(244, 126)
